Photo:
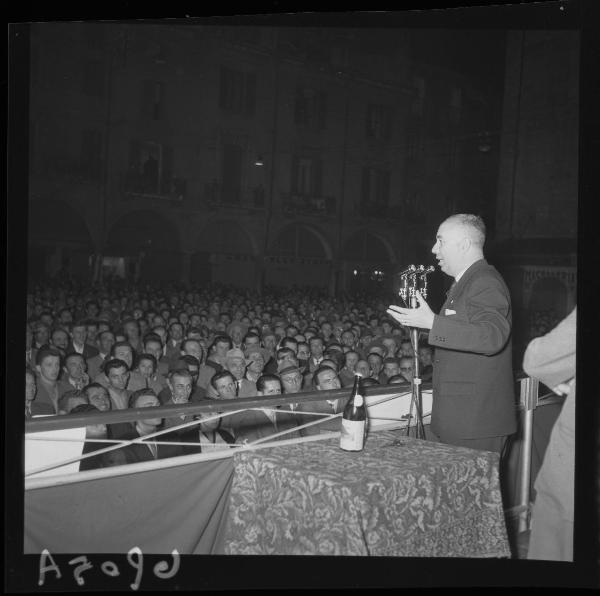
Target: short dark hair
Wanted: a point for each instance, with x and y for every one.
(120, 344)
(218, 376)
(70, 355)
(99, 336)
(220, 339)
(114, 363)
(264, 379)
(180, 372)
(375, 354)
(44, 352)
(188, 339)
(93, 386)
(84, 409)
(67, 395)
(287, 340)
(138, 393)
(319, 371)
(399, 378)
(189, 359)
(283, 352)
(152, 337)
(145, 356)
(391, 360)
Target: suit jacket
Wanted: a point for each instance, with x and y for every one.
(256, 424)
(88, 351)
(138, 452)
(473, 385)
(44, 402)
(321, 407)
(246, 388)
(205, 374)
(94, 365)
(172, 352)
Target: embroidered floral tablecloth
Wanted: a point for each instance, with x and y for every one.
(398, 497)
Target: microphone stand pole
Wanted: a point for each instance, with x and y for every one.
(416, 380)
(412, 272)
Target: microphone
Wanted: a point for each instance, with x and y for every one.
(410, 269)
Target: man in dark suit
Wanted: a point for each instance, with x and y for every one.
(78, 341)
(147, 450)
(473, 386)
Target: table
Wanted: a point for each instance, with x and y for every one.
(400, 496)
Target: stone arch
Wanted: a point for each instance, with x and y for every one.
(297, 240)
(148, 243)
(367, 246)
(54, 221)
(226, 236)
(299, 255)
(59, 239)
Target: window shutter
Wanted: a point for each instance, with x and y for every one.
(250, 93)
(147, 99)
(364, 195)
(388, 123)
(294, 184)
(223, 87)
(134, 154)
(166, 175)
(318, 178)
(385, 188)
(323, 110)
(299, 107)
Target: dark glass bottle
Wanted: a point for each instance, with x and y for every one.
(354, 419)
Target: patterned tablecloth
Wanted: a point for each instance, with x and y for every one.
(398, 497)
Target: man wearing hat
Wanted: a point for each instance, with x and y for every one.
(235, 363)
(290, 375)
(237, 331)
(256, 358)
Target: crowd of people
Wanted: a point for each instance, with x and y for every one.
(115, 346)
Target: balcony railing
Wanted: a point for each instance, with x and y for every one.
(134, 184)
(293, 204)
(216, 195)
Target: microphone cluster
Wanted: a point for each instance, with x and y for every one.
(414, 278)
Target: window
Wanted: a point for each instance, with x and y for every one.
(375, 191)
(310, 108)
(91, 154)
(231, 186)
(93, 78)
(151, 171)
(307, 174)
(419, 98)
(237, 92)
(455, 105)
(379, 122)
(415, 146)
(153, 100)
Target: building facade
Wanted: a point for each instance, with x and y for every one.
(245, 155)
